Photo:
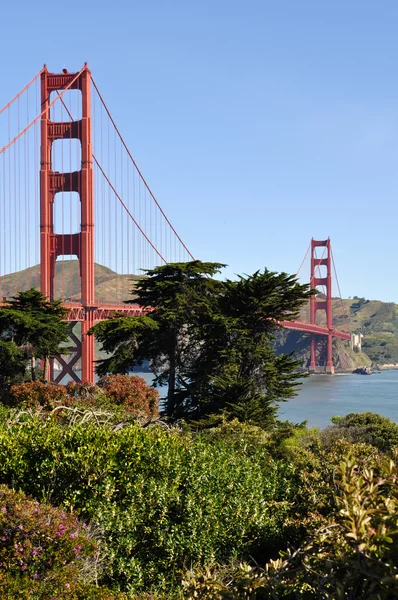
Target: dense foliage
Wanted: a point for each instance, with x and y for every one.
(35, 394)
(131, 392)
(369, 428)
(31, 328)
(161, 501)
(44, 552)
(353, 555)
(102, 500)
(118, 397)
(209, 341)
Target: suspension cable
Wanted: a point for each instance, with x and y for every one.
(303, 261)
(338, 287)
(138, 170)
(22, 91)
(43, 112)
(117, 195)
(127, 210)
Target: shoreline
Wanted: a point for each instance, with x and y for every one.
(375, 369)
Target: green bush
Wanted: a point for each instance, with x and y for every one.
(165, 499)
(131, 392)
(354, 555)
(35, 394)
(117, 398)
(44, 551)
(369, 428)
(12, 588)
(162, 499)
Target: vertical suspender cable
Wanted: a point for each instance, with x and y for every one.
(36, 170)
(27, 188)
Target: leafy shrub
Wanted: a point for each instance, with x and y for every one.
(133, 393)
(164, 499)
(14, 588)
(369, 428)
(161, 498)
(239, 581)
(37, 394)
(120, 398)
(43, 550)
(355, 555)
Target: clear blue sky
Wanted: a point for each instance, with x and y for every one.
(258, 124)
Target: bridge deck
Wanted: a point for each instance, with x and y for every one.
(105, 311)
(317, 329)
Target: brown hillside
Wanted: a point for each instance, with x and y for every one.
(110, 287)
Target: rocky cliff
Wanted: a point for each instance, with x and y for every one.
(377, 322)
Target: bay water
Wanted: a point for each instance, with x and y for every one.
(324, 396)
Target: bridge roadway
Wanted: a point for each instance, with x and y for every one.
(102, 311)
(317, 329)
(105, 311)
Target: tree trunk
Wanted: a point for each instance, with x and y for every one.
(45, 369)
(172, 377)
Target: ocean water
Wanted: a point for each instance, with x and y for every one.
(324, 396)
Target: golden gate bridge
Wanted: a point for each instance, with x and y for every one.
(78, 218)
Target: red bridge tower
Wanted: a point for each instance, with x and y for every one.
(317, 304)
(80, 244)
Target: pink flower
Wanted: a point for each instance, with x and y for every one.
(3, 509)
(67, 585)
(35, 576)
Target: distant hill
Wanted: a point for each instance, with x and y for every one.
(376, 320)
(109, 286)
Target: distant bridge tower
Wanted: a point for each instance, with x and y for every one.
(81, 243)
(317, 304)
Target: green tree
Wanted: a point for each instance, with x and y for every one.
(35, 325)
(12, 365)
(122, 338)
(179, 298)
(211, 342)
(238, 371)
